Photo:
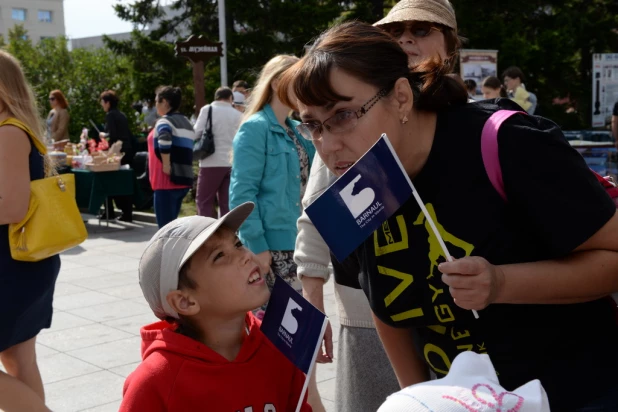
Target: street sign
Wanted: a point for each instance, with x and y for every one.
(198, 49)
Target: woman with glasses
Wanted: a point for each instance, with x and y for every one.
(424, 29)
(538, 266)
(270, 168)
(58, 118)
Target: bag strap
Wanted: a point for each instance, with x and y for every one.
(11, 121)
(209, 120)
(50, 170)
(489, 149)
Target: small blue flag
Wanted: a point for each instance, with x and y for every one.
(363, 198)
(294, 325)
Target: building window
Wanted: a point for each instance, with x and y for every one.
(45, 16)
(18, 14)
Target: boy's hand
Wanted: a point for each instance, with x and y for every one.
(474, 283)
(265, 259)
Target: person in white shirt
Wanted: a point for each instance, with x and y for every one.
(150, 113)
(214, 177)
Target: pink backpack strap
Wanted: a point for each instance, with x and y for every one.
(489, 149)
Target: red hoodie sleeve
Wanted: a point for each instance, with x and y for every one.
(297, 386)
(141, 394)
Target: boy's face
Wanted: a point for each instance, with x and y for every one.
(226, 276)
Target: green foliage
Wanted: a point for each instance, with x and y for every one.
(256, 31)
(552, 41)
(81, 74)
(152, 64)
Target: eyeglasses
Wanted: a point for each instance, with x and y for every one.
(418, 29)
(51, 99)
(340, 122)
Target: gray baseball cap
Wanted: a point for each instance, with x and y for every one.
(171, 247)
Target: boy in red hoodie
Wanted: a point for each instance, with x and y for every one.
(207, 353)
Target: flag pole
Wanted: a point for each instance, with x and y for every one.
(311, 366)
(223, 39)
(434, 229)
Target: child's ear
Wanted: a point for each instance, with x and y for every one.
(183, 303)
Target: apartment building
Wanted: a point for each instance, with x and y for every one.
(41, 18)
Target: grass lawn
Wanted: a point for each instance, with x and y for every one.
(188, 208)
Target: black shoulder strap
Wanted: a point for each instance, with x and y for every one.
(209, 120)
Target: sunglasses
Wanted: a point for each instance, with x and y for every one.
(51, 99)
(418, 29)
(340, 122)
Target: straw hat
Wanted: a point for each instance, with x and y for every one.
(435, 11)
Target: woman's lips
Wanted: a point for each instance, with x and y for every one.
(342, 167)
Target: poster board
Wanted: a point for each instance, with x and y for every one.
(604, 87)
(477, 65)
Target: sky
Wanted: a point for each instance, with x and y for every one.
(85, 18)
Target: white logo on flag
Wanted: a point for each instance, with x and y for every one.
(289, 322)
(359, 202)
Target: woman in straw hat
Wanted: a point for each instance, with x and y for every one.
(538, 261)
(423, 29)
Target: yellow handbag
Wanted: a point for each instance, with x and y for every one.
(53, 223)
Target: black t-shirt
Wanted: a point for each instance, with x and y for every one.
(554, 205)
(615, 112)
(117, 125)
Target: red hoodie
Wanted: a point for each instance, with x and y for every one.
(181, 374)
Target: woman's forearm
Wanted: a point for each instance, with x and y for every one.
(399, 346)
(313, 291)
(580, 277)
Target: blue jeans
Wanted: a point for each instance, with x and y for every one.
(167, 204)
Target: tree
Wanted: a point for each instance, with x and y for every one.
(256, 31)
(152, 63)
(552, 41)
(81, 74)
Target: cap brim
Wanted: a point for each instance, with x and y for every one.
(233, 220)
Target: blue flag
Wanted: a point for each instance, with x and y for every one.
(294, 325)
(367, 194)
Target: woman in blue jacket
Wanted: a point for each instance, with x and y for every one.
(270, 167)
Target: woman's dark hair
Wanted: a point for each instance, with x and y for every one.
(374, 57)
(241, 83)
(173, 95)
(494, 83)
(110, 96)
(59, 96)
(470, 85)
(453, 43)
(514, 72)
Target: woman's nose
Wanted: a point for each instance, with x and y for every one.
(406, 37)
(329, 143)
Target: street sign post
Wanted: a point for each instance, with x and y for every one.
(198, 50)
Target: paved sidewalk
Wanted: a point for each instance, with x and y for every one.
(94, 340)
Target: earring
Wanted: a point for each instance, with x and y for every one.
(404, 120)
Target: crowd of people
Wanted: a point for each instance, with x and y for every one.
(538, 262)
